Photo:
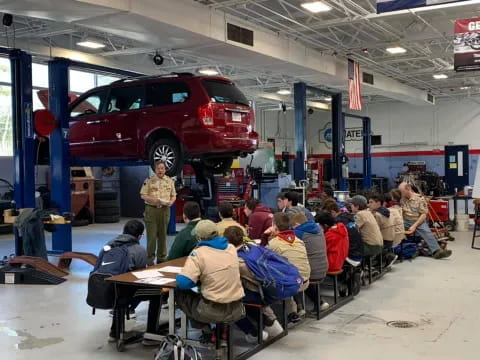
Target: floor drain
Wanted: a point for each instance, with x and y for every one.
(402, 324)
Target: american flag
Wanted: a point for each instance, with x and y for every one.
(354, 86)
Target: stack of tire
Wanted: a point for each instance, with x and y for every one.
(107, 207)
(5, 228)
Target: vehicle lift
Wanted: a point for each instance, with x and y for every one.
(339, 156)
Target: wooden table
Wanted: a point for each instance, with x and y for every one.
(129, 279)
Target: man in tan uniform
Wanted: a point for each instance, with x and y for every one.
(415, 212)
(158, 192)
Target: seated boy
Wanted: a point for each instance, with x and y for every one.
(396, 214)
(286, 244)
(251, 286)
(185, 241)
(355, 248)
(225, 211)
(213, 265)
(385, 223)
(312, 235)
(371, 234)
(336, 236)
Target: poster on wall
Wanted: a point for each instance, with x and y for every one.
(394, 5)
(467, 44)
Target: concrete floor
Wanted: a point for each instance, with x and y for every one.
(442, 297)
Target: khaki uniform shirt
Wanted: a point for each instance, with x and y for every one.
(218, 272)
(225, 223)
(386, 226)
(163, 189)
(369, 228)
(397, 218)
(414, 207)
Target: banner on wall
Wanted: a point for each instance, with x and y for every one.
(467, 45)
(394, 5)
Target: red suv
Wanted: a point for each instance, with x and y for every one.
(176, 118)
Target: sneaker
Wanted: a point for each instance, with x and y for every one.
(274, 330)
(391, 261)
(294, 318)
(249, 338)
(324, 306)
(302, 313)
(442, 253)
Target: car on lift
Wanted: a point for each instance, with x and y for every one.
(176, 118)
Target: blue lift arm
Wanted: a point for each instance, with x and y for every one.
(300, 103)
(338, 141)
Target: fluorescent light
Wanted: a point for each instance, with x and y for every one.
(284, 92)
(440, 76)
(327, 98)
(91, 44)
(396, 50)
(208, 72)
(465, 87)
(316, 6)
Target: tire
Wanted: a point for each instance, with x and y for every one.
(218, 166)
(106, 195)
(167, 150)
(107, 219)
(110, 211)
(6, 229)
(81, 222)
(102, 204)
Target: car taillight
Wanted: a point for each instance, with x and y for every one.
(205, 114)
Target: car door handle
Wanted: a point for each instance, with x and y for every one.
(96, 122)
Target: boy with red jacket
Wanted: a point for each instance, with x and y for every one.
(336, 236)
(259, 220)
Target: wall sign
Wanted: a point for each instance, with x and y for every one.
(467, 44)
(394, 5)
(351, 134)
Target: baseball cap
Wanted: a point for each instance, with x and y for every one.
(359, 200)
(205, 230)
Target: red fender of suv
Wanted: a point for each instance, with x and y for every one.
(175, 119)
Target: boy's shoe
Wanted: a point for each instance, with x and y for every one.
(324, 305)
(251, 339)
(442, 253)
(301, 313)
(274, 330)
(294, 318)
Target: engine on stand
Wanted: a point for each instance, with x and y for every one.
(427, 182)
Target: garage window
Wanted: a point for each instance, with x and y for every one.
(93, 104)
(125, 98)
(224, 92)
(167, 93)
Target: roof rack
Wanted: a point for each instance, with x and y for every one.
(147, 77)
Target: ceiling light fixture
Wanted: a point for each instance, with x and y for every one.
(91, 44)
(209, 72)
(284, 92)
(396, 50)
(440, 76)
(465, 87)
(316, 6)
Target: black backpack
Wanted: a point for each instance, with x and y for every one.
(111, 261)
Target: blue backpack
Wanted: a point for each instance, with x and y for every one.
(111, 261)
(278, 278)
(407, 250)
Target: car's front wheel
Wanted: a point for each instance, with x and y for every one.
(167, 151)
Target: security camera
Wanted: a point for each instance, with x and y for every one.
(158, 59)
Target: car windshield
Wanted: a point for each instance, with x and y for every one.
(224, 92)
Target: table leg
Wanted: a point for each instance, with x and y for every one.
(171, 311)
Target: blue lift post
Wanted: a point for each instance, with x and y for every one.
(338, 141)
(23, 134)
(367, 157)
(59, 150)
(300, 103)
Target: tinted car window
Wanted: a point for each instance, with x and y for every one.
(93, 104)
(223, 92)
(125, 98)
(167, 93)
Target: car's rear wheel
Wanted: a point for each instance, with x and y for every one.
(168, 151)
(218, 166)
